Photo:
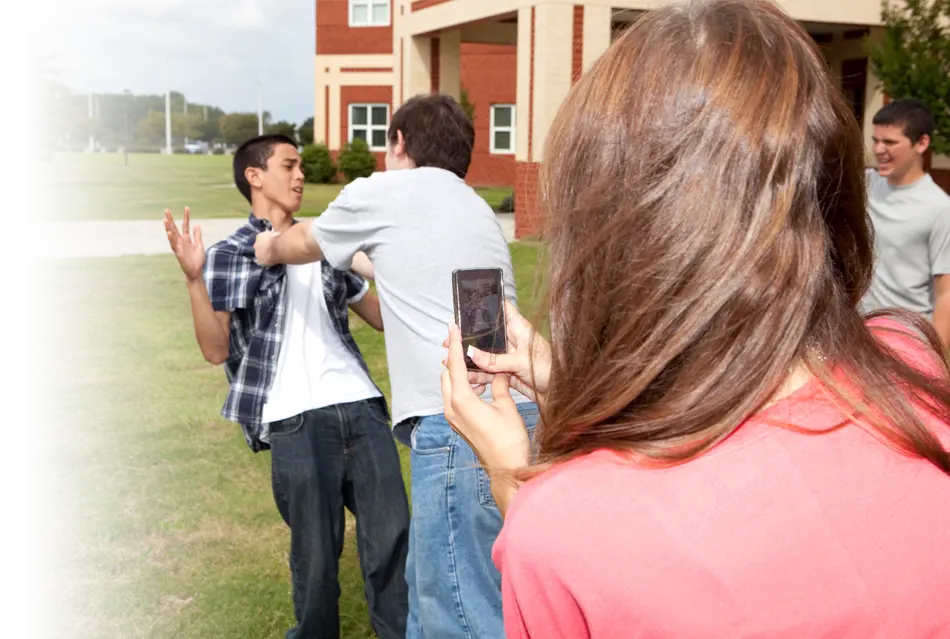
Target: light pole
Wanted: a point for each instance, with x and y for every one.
(260, 108)
(125, 146)
(92, 140)
(168, 112)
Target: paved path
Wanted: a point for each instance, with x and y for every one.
(145, 237)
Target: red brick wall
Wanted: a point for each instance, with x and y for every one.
(435, 50)
(489, 76)
(335, 36)
(425, 4)
(528, 218)
(577, 50)
(358, 95)
(941, 177)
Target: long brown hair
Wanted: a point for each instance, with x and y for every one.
(705, 199)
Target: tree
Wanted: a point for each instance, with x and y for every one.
(356, 160)
(77, 124)
(43, 107)
(467, 106)
(913, 59)
(152, 126)
(237, 128)
(283, 128)
(305, 132)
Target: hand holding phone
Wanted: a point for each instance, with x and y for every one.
(479, 297)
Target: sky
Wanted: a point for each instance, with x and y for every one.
(214, 48)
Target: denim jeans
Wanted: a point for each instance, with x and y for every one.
(454, 588)
(322, 461)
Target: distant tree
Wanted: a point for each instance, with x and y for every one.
(305, 132)
(78, 124)
(283, 128)
(238, 127)
(913, 58)
(210, 131)
(43, 105)
(152, 126)
(466, 105)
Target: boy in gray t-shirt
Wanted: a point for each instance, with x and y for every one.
(911, 218)
(417, 222)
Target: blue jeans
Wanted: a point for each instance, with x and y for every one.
(454, 588)
(322, 461)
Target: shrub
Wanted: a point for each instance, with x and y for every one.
(318, 164)
(507, 205)
(356, 160)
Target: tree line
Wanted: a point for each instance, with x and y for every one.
(117, 120)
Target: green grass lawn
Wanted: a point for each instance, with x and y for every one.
(159, 521)
(98, 186)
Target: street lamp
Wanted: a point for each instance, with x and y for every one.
(128, 97)
(260, 108)
(168, 112)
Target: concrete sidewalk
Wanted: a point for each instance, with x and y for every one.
(64, 240)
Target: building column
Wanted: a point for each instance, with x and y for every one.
(320, 95)
(545, 45)
(450, 63)
(417, 75)
(596, 38)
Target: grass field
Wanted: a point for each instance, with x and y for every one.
(98, 186)
(157, 519)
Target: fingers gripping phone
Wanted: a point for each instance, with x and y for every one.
(479, 295)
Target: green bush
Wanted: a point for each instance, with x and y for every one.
(356, 160)
(318, 164)
(507, 205)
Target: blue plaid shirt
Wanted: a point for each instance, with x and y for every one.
(255, 297)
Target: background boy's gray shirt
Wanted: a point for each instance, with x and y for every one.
(911, 243)
(416, 226)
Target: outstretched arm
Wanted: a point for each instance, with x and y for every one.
(212, 328)
(294, 246)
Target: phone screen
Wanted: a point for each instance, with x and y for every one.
(480, 300)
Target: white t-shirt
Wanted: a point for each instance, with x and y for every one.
(314, 368)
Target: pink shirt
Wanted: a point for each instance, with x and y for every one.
(773, 533)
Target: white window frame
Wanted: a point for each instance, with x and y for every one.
(369, 13)
(369, 126)
(503, 129)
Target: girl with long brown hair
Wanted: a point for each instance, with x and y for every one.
(727, 447)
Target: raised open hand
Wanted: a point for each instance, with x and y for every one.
(189, 251)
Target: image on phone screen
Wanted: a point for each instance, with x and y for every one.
(481, 310)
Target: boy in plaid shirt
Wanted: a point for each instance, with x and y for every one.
(299, 386)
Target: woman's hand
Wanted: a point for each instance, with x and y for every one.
(496, 431)
(525, 348)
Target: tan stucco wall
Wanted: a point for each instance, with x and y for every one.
(328, 73)
(456, 12)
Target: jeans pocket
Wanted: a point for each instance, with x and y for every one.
(286, 427)
(484, 488)
(429, 438)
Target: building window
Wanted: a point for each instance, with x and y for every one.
(369, 122)
(369, 13)
(503, 128)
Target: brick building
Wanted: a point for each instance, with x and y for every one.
(515, 61)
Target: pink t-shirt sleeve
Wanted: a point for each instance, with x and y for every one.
(537, 601)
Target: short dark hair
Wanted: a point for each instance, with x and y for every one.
(436, 132)
(255, 153)
(913, 116)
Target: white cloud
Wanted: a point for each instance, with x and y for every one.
(214, 49)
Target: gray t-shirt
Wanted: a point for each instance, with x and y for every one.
(911, 243)
(416, 226)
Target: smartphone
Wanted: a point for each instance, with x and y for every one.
(479, 295)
